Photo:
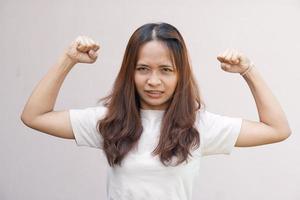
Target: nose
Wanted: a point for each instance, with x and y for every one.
(154, 80)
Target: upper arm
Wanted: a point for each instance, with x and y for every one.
(56, 123)
(258, 133)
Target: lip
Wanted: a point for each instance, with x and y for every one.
(152, 95)
(153, 91)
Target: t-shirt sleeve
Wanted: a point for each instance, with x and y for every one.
(218, 133)
(84, 125)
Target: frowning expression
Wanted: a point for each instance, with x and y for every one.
(155, 75)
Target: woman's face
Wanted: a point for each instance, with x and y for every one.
(155, 76)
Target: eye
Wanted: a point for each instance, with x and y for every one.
(167, 70)
(142, 69)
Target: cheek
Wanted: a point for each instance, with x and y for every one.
(138, 82)
(173, 83)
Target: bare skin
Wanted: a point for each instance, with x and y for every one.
(38, 112)
(273, 125)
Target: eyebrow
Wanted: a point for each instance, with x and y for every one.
(140, 64)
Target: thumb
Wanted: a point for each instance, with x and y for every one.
(92, 54)
(224, 66)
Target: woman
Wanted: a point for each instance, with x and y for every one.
(153, 127)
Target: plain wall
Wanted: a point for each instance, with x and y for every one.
(34, 165)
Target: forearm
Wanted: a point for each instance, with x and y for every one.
(43, 97)
(269, 109)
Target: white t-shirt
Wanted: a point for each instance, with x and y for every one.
(144, 177)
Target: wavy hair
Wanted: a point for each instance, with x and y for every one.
(121, 128)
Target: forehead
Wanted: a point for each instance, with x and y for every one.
(154, 52)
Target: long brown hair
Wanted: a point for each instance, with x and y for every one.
(121, 128)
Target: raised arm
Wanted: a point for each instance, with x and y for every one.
(273, 125)
(38, 112)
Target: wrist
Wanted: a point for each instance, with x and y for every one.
(248, 69)
(67, 61)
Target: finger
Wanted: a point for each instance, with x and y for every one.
(225, 53)
(228, 56)
(95, 46)
(234, 57)
(81, 46)
(225, 66)
(221, 56)
(86, 40)
(87, 45)
(92, 44)
(77, 41)
(240, 55)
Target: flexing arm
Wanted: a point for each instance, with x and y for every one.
(273, 125)
(38, 112)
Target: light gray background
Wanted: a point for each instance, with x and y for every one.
(33, 34)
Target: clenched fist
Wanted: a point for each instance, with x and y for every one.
(83, 50)
(234, 61)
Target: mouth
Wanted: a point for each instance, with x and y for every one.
(154, 93)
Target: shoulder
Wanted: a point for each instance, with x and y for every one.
(203, 116)
(206, 120)
(218, 133)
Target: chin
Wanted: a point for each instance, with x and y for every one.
(157, 105)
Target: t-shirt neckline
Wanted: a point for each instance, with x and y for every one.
(151, 113)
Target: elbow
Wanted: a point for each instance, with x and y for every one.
(285, 134)
(288, 133)
(25, 120)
